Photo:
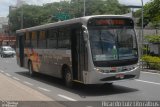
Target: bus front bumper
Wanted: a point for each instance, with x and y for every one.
(102, 78)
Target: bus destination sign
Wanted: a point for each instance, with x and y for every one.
(110, 22)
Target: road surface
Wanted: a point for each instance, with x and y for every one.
(146, 88)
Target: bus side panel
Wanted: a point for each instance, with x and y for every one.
(61, 57)
(50, 62)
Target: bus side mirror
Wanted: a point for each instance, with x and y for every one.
(85, 33)
(85, 36)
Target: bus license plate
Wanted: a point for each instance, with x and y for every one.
(121, 76)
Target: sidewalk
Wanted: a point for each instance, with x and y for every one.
(150, 70)
(11, 90)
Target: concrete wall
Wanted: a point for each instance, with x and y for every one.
(154, 48)
(3, 21)
(146, 32)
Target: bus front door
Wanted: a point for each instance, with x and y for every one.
(21, 50)
(78, 54)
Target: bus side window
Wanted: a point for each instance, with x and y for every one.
(64, 38)
(52, 39)
(42, 39)
(27, 40)
(34, 39)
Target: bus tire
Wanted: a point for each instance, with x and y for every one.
(3, 56)
(68, 78)
(30, 68)
(109, 84)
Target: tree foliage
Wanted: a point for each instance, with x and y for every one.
(37, 15)
(152, 62)
(151, 13)
(153, 38)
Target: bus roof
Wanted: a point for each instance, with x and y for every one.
(82, 20)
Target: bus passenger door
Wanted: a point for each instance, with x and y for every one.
(21, 50)
(78, 54)
(74, 52)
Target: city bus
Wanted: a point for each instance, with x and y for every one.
(94, 49)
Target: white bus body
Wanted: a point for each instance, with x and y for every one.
(91, 50)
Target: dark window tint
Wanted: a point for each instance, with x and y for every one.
(42, 39)
(27, 40)
(64, 38)
(17, 41)
(34, 39)
(52, 39)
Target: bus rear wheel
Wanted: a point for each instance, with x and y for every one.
(68, 78)
(30, 68)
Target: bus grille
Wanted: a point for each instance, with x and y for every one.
(114, 78)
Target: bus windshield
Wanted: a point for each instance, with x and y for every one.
(108, 44)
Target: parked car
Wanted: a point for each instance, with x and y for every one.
(7, 51)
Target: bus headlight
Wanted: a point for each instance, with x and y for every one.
(102, 71)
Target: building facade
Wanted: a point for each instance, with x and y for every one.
(3, 22)
(20, 3)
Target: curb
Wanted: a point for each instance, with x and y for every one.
(150, 70)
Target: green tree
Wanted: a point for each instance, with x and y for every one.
(37, 15)
(151, 13)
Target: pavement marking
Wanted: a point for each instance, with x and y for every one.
(28, 83)
(150, 73)
(16, 78)
(44, 89)
(148, 82)
(8, 74)
(68, 98)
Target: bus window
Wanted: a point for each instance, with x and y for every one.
(64, 39)
(42, 39)
(27, 40)
(113, 40)
(52, 39)
(34, 39)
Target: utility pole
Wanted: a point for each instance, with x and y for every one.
(9, 20)
(142, 21)
(142, 26)
(22, 18)
(142, 33)
(84, 6)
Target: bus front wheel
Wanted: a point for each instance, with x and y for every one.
(68, 78)
(30, 67)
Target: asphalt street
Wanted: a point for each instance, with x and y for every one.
(146, 88)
